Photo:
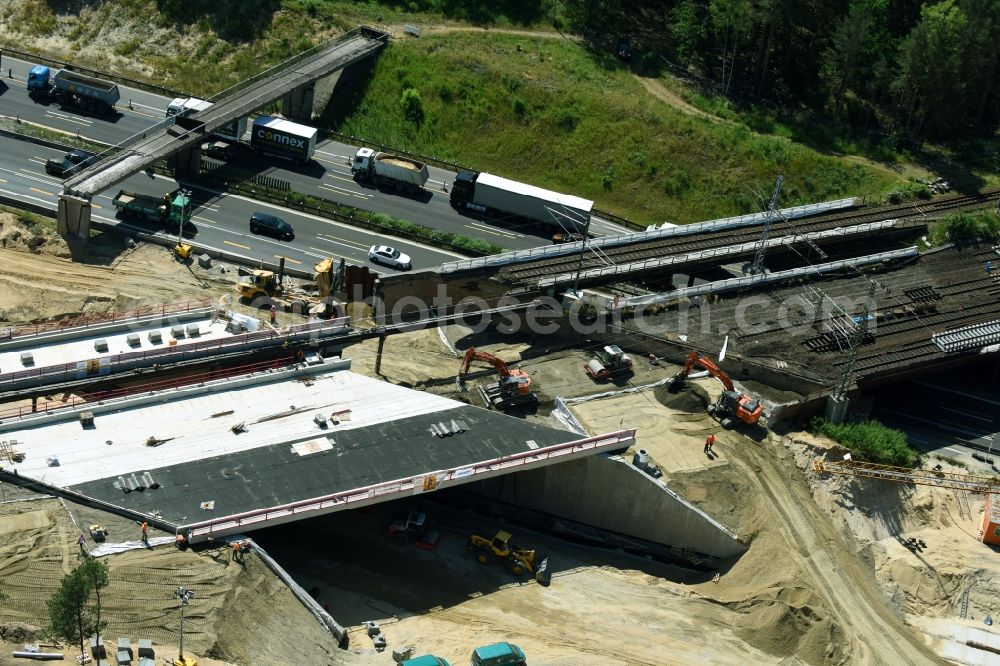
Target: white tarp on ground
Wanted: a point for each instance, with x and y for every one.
(102, 549)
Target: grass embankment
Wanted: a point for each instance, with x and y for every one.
(964, 228)
(870, 441)
(542, 110)
(551, 113)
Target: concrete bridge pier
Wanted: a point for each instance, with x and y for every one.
(73, 218)
(186, 161)
(298, 104)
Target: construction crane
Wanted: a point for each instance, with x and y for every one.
(731, 403)
(512, 388)
(923, 477)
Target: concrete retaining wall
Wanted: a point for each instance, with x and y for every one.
(609, 493)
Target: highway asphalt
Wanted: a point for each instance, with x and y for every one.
(219, 220)
(328, 175)
(952, 416)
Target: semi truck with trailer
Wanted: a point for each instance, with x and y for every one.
(498, 197)
(186, 106)
(72, 89)
(283, 138)
(404, 174)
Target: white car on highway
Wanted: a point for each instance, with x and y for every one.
(383, 254)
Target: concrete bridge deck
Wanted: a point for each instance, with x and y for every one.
(173, 134)
(284, 444)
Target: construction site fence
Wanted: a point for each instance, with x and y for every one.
(104, 318)
(259, 518)
(100, 397)
(112, 364)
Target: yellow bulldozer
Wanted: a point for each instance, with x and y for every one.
(501, 548)
(261, 284)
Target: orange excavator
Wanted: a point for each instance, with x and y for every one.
(731, 403)
(513, 387)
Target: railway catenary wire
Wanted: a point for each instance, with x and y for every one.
(529, 271)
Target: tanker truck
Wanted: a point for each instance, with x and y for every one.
(73, 89)
(404, 174)
(498, 197)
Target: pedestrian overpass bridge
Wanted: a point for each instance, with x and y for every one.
(291, 81)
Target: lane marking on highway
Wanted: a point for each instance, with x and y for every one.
(22, 195)
(489, 231)
(343, 178)
(512, 234)
(939, 423)
(85, 123)
(956, 391)
(146, 106)
(948, 448)
(202, 219)
(328, 222)
(35, 189)
(239, 245)
(329, 238)
(68, 116)
(342, 190)
(320, 159)
(140, 113)
(294, 261)
(969, 414)
(3, 180)
(340, 157)
(93, 205)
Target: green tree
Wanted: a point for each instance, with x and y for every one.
(71, 615)
(731, 21)
(848, 58)
(413, 106)
(932, 82)
(687, 29)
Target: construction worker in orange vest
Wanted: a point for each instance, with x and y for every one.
(709, 441)
(145, 534)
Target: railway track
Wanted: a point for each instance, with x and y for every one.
(681, 244)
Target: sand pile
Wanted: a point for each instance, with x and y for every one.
(43, 277)
(241, 615)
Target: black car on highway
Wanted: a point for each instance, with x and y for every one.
(69, 163)
(271, 225)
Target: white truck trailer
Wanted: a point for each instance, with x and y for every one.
(498, 197)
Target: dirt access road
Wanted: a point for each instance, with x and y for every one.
(877, 636)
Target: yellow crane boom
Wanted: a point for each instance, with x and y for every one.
(923, 477)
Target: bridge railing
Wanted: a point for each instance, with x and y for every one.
(358, 497)
(750, 219)
(152, 356)
(107, 318)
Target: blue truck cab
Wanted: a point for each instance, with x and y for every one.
(498, 654)
(38, 78)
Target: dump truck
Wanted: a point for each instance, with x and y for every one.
(187, 106)
(72, 89)
(404, 174)
(169, 208)
(496, 197)
(282, 138)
